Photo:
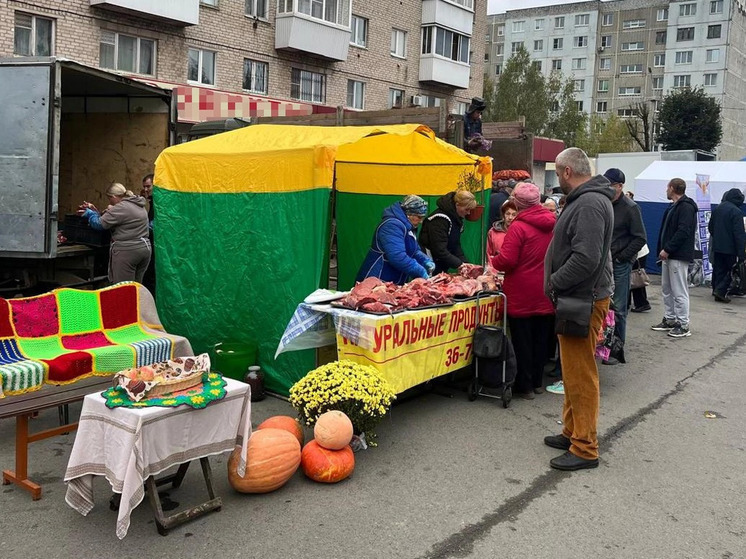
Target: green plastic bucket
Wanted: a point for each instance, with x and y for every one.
(232, 359)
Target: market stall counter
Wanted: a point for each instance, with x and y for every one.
(407, 348)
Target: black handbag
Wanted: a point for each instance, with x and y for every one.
(573, 316)
(490, 342)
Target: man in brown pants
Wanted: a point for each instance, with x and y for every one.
(578, 265)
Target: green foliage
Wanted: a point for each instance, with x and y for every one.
(608, 135)
(565, 122)
(522, 91)
(689, 119)
(490, 99)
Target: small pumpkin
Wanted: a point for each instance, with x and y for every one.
(333, 430)
(327, 466)
(272, 457)
(287, 423)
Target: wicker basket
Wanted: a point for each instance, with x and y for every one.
(169, 386)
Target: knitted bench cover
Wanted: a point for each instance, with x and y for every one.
(68, 334)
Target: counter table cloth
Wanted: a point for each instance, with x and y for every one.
(128, 445)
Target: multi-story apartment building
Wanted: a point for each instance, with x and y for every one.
(228, 58)
(624, 52)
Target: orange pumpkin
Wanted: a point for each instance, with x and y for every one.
(285, 423)
(333, 430)
(327, 466)
(272, 457)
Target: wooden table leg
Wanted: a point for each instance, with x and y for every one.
(20, 475)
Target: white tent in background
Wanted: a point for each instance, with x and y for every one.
(650, 185)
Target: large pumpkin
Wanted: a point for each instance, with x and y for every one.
(285, 423)
(333, 430)
(327, 466)
(272, 457)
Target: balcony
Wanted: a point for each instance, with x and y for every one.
(452, 15)
(300, 32)
(173, 12)
(440, 70)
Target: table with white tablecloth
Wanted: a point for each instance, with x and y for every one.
(129, 445)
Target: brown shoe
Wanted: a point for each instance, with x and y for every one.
(539, 390)
(525, 395)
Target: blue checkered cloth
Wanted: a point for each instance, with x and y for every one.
(308, 326)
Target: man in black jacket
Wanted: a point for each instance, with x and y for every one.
(727, 240)
(628, 238)
(676, 251)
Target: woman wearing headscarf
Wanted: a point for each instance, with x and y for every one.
(530, 312)
(127, 219)
(394, 254)
(441, 231)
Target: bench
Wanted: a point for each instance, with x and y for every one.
(72, 338)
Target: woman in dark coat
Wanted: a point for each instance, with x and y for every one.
(727, 242)
(394, 254)
(441, 231)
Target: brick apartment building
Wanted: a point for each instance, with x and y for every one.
(622, 52)
(241, 58)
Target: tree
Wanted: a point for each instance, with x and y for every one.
(565, 121)
(490, 99)
(640, 127)
(522, 91)
(608, 135)
(689, 119)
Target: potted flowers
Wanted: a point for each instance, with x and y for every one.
(470, 182)
(357, 390)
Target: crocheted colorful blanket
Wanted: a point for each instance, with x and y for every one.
(69, 334)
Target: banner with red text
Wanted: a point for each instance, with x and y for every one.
(416, 346)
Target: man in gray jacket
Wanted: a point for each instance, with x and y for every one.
(578, 264)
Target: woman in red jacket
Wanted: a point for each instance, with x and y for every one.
(530, 312)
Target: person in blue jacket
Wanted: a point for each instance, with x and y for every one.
(394, 254)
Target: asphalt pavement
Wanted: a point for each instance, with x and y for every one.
(453, 478)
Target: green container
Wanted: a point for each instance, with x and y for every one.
(232, 359)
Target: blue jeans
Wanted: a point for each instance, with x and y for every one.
(621, 297)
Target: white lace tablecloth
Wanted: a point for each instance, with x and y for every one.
(129, 445)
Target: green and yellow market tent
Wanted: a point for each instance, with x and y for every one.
(243, 223)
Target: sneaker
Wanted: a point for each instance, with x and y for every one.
(665, 325)
(680, 331)
(556, 388)
(644, 308)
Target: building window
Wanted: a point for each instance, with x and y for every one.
(333, 11)
(712, 55)
(34, 36)
(685, 34)
(713, 31)
(582, 19)
(658, 83)
(716, 7)
(626, 113)
(557, 64)
(127, 54)
(213, 3)
(559, 22)
(626, 91)
(660, 37)
(579, 85)
(447, 44)
(659, 60)
(539, 45)
(684, 57)
(580, 41)
(431, 101)
(579, 106)
(633, 24)
(355, 94)
(711, 80)
(603, 85)
(396, 98)
(399, 43)
(687, 10)
(662, 14)
(555, 106)
(608, 19)
(498, 69)
(539, 25)
(201, 68)
(557, 44)
(307, 86)
(602, 106)
(359, 28)
(499, 49)
(518, 26)
(537, 64)
(469, 4)
(636, 45)
(630, 69)
(579, 63)
(500, 30)
(606, 41)
(256, 8)
(255, 75)
(682, 81)
(486, 57)
(515, 47)
(284, 6)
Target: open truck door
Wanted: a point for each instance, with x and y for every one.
(29, 166)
